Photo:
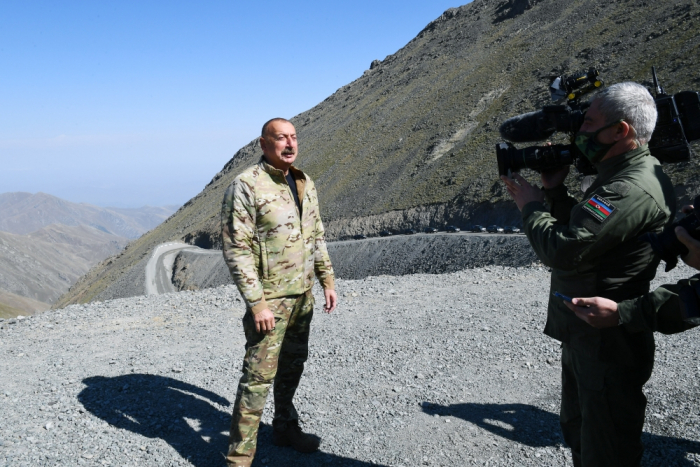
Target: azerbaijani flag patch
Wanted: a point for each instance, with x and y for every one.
(598, 207)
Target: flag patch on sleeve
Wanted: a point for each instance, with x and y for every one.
(599, 207)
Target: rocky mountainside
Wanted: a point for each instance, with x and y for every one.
(22, 213)
(411, 142)
(41, 266)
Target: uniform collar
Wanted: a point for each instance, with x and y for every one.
(610, 167)
(298, 174)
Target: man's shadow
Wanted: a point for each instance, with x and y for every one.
(524, 424)
(534, 427)
(185, 417)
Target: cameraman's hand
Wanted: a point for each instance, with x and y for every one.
(521, 191)
(554, 178)
(692, 259)
(599, 312)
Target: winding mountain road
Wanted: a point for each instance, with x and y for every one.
(159, 269)
(396, 254)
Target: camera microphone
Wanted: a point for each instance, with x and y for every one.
(532, 126)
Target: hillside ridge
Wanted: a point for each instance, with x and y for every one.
(23, 213)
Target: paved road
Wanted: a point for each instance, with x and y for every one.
(159, 269)
(436, 234)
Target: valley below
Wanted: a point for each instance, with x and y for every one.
(47, 244)
(39, 267)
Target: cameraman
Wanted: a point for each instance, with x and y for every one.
(593, 248)
(647, 313)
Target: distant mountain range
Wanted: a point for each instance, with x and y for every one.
(47, 243)
(22, 213)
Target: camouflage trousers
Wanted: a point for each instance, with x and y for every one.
(277, 357)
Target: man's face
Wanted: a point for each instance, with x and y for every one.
(595, 120)
(280, 145)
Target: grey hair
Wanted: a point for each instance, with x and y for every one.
(632, 103)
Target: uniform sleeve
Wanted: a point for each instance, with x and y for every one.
(660, 310)
(239, 243)
(322, 261)
(590, 232)
(560, 203)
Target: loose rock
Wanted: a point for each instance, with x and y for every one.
(443, 372)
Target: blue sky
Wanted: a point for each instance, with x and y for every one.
(128, 103)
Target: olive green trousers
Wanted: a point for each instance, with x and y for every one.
(278, 357)
(602, 410)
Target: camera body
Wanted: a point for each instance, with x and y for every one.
(667, 245)
(677, 125)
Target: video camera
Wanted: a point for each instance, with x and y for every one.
(667, 245)
(678, 124)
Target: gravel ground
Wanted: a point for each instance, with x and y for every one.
(440, 370)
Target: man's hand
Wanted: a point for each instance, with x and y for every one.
(599, 312)
(331, 300)
(554, 178)
(693, 257)
(264, 321)
(521, 191)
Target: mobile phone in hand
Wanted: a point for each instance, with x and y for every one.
(562, 296)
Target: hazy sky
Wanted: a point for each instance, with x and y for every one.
(127, 103)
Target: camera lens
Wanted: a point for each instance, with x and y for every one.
(538, 158)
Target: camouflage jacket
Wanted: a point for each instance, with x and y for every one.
(271, 250)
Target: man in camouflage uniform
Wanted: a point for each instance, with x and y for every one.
(273, 245)
(593, 248)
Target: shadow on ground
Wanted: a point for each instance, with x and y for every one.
(272, 456)
(521, 423)
(532, 426)
(185, 417)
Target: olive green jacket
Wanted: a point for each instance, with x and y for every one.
(271, 249)
(593, 248)
(664, 309)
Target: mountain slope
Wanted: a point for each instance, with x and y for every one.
(47, 243)
(22, 213)
(12, 305)
(410, 143)
(42, 266)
